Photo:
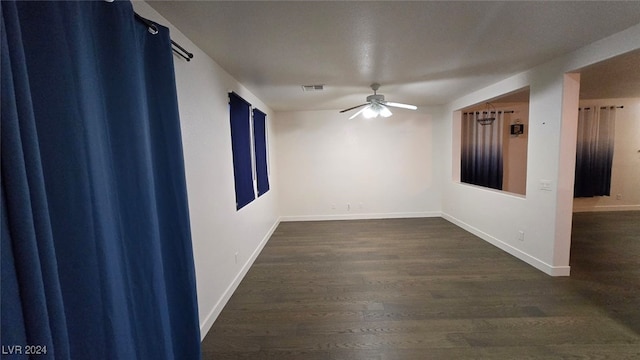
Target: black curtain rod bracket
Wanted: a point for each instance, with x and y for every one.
(153, 29)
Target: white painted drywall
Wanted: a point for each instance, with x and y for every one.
(330, 167)
(515, 148)
(544, 216)
(625, 174)
(218, 230)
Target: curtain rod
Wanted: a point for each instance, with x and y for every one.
(604, 107)
(153, 29)
(490, 112)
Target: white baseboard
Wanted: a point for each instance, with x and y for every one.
(217, 309)
(533, 261)
(361, 216)
(607, 208)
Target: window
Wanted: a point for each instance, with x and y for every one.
(260, 150)
(249, 148)
(239, 110)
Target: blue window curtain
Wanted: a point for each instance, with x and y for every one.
(260, 148)
(481, 160)
(97, 260)
(594, 152)
(240, 118)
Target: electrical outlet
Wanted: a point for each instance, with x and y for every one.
(348, 207)
(521, 235)
(619, 197)
(236, 257)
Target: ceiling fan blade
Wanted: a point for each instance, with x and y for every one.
(355, 107)
(359, 111)
(401, 105)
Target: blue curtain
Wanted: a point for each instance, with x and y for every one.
(97, 260)
(594, 153)
(240, 122)
(260, 149)
(481, 161)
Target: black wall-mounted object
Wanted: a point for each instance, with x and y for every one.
(517, 129)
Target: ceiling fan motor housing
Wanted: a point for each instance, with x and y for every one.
(375, 99)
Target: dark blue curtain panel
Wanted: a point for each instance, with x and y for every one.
(97, 260)
(594, 152)
(260, 148)
(239, 113)
(481, 160)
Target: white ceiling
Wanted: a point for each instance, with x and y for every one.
(618, 77)
(422, 52)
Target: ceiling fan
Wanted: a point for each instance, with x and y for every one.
(377, 106)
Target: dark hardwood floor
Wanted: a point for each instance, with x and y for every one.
(425, 289)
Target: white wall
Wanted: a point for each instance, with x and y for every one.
(625, 174)
(218, 230)
(330, 167)
(544, 216)
(515, 150)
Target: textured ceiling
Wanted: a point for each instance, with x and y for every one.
(618, 77)
(425, 53)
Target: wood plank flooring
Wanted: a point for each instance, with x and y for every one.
(425, 289)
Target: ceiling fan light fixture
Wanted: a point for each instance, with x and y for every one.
(377, 106)
(384, 111)
(370, 112)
